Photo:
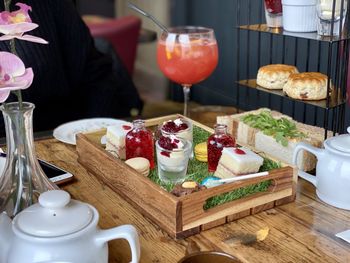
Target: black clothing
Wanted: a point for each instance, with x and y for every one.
(72, 80)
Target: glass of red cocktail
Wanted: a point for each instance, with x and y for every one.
(187, 55)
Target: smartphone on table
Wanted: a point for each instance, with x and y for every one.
(54, 173)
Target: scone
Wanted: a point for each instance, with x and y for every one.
(307, 86)
(275, 76)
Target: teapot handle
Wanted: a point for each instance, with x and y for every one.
(127, 232)
(316, 151)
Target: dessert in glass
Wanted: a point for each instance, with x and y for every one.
(180, 127)
(139, 142)
(216, 143)
(273, 13)
(187, 55)
(325, 16)
(172, 158)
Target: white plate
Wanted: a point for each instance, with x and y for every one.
(66, 132)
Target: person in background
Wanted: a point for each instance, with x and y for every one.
(72, 80)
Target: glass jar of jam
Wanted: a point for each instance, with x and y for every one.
(273, 13)
(216, 143)
(139, 142)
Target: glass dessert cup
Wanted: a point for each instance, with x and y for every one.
(325, 19)
(172, 163)
(187, 55)
(273, 13)
(180, 128)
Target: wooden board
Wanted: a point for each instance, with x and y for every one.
(179, 216)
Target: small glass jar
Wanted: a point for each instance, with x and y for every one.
(216, 143)
(326, 20)
(273, 13)
(139, 142)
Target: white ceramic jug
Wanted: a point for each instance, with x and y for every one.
(58, 229)
(332, 178)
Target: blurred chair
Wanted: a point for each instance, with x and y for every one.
(122, 33)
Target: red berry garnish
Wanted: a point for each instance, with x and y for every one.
(166, 154)
(165, 143)
(273, 6)
(183, 126)
(240, 151)
(126, 127)
(171, 127)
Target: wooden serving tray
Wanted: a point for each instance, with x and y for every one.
(183, 216)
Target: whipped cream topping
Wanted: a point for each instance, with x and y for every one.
(178, 122)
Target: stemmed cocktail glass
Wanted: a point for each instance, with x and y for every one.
(187, 55)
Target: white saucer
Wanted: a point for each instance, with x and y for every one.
(66, 132)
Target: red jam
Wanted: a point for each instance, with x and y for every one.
(168, 144)
(240, 151)
(216, 143)
(126, 127)
(172, 127)
(166, 154)
(273, 6)
(139, 143)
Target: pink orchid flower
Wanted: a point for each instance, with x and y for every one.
(13, 75)
(15, 24)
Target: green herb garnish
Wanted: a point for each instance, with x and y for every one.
(281, 129)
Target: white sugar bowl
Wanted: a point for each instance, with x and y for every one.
(299, 15)
(58, 229)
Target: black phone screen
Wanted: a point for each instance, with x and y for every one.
(51, 171)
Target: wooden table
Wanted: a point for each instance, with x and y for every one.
(303, 231)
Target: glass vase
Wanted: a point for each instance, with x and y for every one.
(22, 179)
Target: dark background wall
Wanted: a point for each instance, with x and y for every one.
(96, 7)
(243, 63)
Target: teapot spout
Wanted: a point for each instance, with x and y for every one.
(6, 236)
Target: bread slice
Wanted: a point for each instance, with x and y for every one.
(246, 135)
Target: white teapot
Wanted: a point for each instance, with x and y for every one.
(332, 178)
(58, 229)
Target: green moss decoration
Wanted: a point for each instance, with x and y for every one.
(198, 171)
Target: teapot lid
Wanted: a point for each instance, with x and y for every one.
(341, 143)
(55, 215)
